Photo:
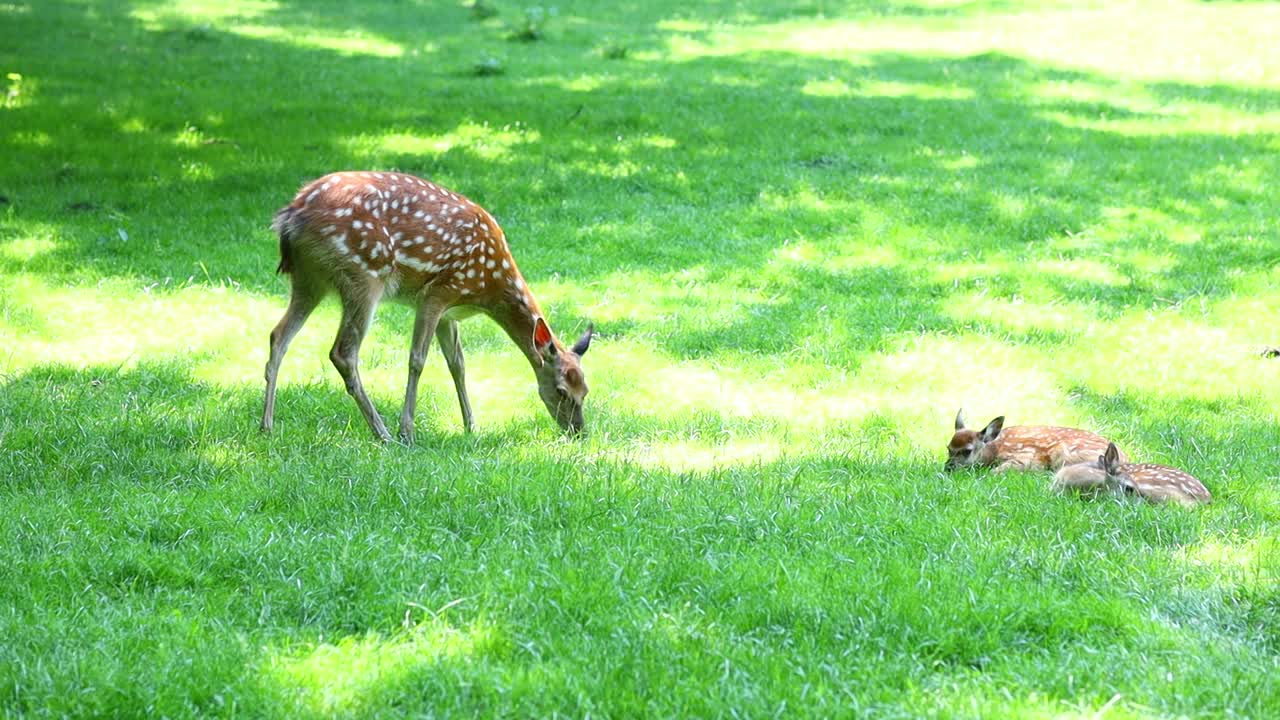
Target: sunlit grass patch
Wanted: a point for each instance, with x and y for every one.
(121, 322)
(489, 143)
(358, 673)
(1252, 563)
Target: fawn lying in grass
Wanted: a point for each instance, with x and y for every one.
(1110, 473)
(1021, 447)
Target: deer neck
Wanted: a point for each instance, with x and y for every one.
(517, 312)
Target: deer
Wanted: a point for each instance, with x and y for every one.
(1110, 473)
(1021, 447)
(375, 236)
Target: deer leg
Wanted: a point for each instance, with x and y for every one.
(1009, 465)
(424, 326)
(356, 316)
(302, 301)
(451, 346)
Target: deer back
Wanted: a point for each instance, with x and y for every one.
(403, 232)
(1044, 447)
(1161, 483)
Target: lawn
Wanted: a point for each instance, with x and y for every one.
(807, 232)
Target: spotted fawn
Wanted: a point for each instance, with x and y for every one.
(1109, 472)
(1021, 447)
(374, 236)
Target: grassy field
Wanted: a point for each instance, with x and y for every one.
(807, 232)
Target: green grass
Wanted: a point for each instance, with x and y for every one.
(806, 231)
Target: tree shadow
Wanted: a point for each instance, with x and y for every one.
(985, 171)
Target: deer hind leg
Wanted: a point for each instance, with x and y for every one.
(451, 346)
(424, 326)
(1062, 456)
(357, 313)
(303, 299)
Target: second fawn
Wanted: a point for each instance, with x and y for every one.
(1021, 447)
(1109, 472)
(374, 236)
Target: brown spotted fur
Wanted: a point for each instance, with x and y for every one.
(375, 236)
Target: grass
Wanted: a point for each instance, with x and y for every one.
(807, 232)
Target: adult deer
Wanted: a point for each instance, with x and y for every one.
(1021, 447)
(374, 236)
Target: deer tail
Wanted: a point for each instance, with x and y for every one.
(285, 225)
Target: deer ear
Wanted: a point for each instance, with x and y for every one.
(960, 419)
(541, 336)
(992, 430)
(580, 348)
(1111, 458)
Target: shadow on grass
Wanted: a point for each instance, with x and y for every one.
(982, 172)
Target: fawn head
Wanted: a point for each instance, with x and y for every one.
(561, 384)
(1117, 479)
(966, 445)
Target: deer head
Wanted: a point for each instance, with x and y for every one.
(561, 383)
(1117, 479)
(966, 445)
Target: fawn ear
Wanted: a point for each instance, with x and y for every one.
(992, 430)
(1111, 458)
(960, 419)
(580, 348)
(541, 337)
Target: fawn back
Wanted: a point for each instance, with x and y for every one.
(1158, 483)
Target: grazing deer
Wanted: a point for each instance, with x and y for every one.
(1021, 447)
(1110, 472)
(374, 236)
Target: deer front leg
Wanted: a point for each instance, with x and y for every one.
(424, 326)
(1010, 465)
(451, 346)
(356, 316)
